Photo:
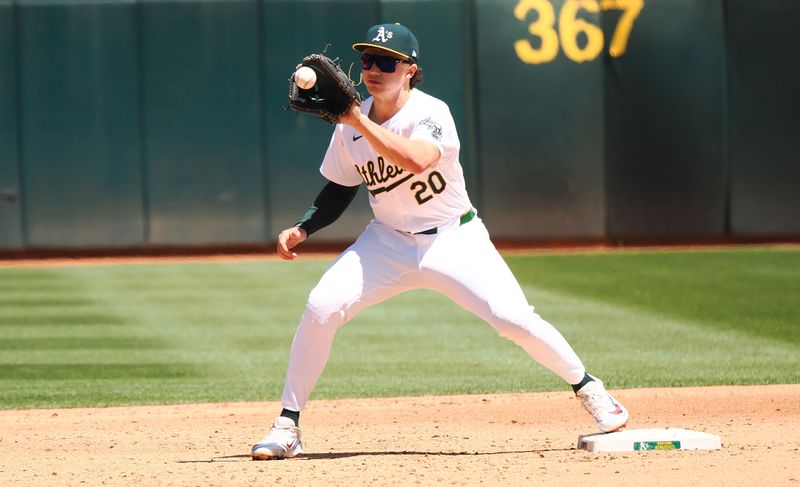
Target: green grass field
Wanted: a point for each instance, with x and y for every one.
(169, 333)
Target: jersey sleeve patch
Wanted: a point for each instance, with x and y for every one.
(434, 128)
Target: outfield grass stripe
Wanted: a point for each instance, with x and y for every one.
(58, 371)
(191, 355)
(50, 318)
(71, 331)
(35, 281)
(618, 341)
(81, 343)
(27, 300)
(132, 391)
(751, 290)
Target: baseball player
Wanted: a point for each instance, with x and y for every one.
(401, 143)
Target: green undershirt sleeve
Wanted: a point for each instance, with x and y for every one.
(328, 207)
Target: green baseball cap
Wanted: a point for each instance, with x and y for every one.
(394, 38)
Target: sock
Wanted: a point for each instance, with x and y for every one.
(293, 415)
(586, 379)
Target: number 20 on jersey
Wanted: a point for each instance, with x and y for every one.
(570, 26)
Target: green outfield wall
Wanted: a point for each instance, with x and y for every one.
(764, 120)
(10, 206)
(79, 130)
(665, 116)
(541, 125)
(136, 123)
(202, 135)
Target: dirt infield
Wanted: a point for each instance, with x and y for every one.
(508, 439)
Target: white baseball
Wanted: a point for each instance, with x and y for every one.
(305, 77)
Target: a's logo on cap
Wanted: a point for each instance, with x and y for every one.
(413, 53)
(383, 35)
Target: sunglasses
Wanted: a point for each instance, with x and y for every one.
(386, 64)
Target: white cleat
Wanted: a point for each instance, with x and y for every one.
(282, 441)
(608, 412)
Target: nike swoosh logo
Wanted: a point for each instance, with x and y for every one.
(356, 137)
(618, 410)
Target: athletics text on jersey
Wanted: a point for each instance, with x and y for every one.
(401, 200)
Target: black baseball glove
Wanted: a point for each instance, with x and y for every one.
(330, 96)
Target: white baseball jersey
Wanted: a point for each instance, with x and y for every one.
(401, 200)
(458, 260)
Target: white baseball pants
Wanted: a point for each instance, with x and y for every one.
(460, 262)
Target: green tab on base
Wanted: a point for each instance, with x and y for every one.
(656, 445)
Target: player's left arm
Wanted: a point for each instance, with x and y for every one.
(327, 208)
(412, 155)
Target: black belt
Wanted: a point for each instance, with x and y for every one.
(465, 218)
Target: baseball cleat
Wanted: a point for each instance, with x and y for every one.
(608, 412)
(282, 441)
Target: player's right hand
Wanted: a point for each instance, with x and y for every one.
(352, 115)
(288, 239)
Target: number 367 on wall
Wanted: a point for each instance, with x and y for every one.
(570, 26)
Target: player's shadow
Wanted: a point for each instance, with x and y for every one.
(404, 453)
(336, 455)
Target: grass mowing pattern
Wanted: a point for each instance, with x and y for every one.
(755, 291)
(168, 333)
